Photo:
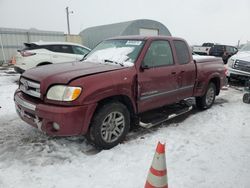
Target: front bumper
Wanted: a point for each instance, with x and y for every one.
(72, 120)
(237, 74)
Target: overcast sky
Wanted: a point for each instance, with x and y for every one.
(198, 21)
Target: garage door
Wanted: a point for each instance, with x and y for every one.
(151, 32)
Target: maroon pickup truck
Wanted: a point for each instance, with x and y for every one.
(106, 93)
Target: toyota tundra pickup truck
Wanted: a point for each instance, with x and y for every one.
(122, 78)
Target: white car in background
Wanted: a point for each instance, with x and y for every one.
(238, 66)
(43, 53)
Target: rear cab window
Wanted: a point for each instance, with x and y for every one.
(182, 52)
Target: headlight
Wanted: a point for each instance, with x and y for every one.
(230, 62)
(63, 93)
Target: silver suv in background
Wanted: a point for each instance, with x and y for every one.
(43, 53)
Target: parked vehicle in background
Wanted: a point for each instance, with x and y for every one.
(204, 49)
(43, 53)
(118, 83)
(238, 66)
(223, 51)
(246, 96)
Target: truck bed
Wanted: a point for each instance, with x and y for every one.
(207, 66)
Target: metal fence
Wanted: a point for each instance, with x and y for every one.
(12, 39)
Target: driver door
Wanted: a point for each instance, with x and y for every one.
(157, 79)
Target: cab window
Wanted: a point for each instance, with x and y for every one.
(159, 54)
(182, 52)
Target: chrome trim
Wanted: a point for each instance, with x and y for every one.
(149, 125)
(30, 92)
(25, 104)
(242, 65)
(165, 93)
(30, 83)
(30, 87)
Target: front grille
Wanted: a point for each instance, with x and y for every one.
(30, 87)
(242, 65)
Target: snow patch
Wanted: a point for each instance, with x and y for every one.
(207, 149)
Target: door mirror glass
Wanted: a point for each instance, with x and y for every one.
(144, 66)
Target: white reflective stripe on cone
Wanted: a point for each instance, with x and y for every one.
(159, 162)
(157, 181)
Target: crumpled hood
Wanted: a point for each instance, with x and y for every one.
(63, 73)
(244, 56)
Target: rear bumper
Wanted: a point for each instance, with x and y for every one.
(72, 120)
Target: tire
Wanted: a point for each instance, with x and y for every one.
(207, 100)
(246, 98)
(109, 126)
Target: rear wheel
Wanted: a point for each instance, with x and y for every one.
(109, 125)
(207, 100)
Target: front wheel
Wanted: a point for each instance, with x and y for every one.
(207, 100)
(109, 125)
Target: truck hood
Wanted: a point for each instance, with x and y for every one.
(63, 73)
(244, 56)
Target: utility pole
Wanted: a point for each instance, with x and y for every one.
(67, 14)
(1, 42)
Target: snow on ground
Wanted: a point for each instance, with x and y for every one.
(207, 149)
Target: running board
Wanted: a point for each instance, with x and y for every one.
(165, 118)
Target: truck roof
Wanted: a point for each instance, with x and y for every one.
(141, 37)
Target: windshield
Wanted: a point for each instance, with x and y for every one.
(118, 51)
(246, 47)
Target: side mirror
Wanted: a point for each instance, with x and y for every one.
(143, 66)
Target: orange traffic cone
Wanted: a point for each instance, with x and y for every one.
(13, 60)
(157, 176)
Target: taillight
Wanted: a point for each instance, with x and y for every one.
(225, 70)
(26, 53)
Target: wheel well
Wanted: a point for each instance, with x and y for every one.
(216, 82)
(44, 63)
(122, 99)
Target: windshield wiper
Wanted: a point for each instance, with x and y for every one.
(110, 61)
